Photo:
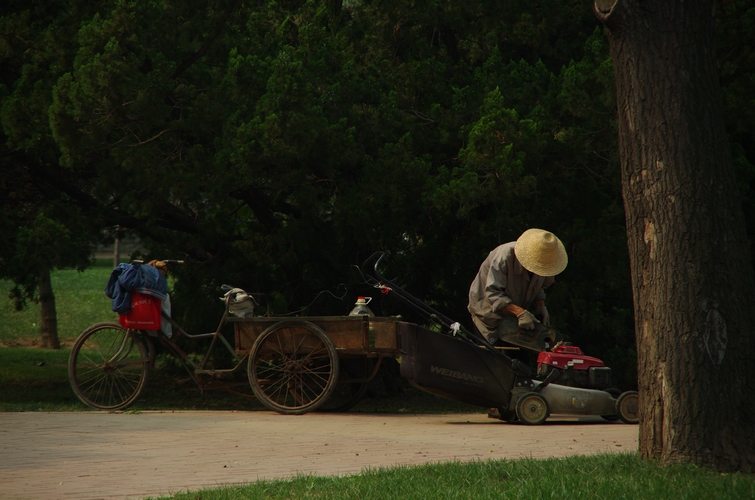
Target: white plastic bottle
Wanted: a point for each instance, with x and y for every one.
(360, 307)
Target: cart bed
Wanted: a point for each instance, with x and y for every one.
(351, 335)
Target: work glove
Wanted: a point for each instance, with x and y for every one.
(541, 313)
(526, 320)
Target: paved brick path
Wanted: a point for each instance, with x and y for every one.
(85, 455)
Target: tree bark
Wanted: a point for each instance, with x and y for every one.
(690, 258)
(117, 247)
(49, 326)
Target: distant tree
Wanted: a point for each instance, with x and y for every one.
(279, 144)
(42, 245)
(736, 66)
(43, 229)
(692, 275)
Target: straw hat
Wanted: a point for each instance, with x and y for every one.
(541, 252)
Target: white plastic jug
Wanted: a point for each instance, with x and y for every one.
(360, 307)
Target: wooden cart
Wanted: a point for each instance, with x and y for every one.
(294, 364)
(300, 364)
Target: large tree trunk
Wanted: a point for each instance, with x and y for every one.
(690, 258)
(49, 327)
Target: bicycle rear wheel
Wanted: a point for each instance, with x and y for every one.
(108, 366)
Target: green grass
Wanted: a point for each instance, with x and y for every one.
(614, 476)
(80, 301)
(35, 380)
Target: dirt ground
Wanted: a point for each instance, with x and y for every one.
(88, 455)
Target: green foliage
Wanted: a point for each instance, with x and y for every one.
(43, 244)
(42, 227)
(736, 31)
(276, 145)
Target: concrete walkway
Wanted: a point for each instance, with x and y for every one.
(87, 455)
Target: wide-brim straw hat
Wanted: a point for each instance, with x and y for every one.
(540, 252)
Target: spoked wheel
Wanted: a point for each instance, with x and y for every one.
(293, 367)
(354, 376)
(532, 409)
(628, 407)
(108, 366)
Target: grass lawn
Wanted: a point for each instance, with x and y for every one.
(610, 476)
(80, 301)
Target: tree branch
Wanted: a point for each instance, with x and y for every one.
(420, 115)
(171, 217)
(148, 140)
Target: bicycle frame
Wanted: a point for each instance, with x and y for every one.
(194, 368)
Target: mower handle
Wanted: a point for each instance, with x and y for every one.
(428, 311)
(452, 326)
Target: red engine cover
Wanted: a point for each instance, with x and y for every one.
(562, 355)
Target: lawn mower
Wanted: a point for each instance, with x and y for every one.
(461, 365)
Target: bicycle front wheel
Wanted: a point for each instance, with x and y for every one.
(108, 366)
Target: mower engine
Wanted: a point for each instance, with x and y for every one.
(574, 369)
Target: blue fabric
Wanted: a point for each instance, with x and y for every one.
(121, 298)
(134, 277)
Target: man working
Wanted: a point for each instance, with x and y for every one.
(512, 278)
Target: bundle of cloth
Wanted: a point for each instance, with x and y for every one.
(147, 279)
(240, 303)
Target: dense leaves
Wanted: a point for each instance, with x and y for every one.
(277, 144)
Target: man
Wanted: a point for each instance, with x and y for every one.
(513, 278)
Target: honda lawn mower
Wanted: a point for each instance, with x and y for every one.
(457, 364)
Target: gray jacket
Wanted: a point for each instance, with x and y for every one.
(501, 281)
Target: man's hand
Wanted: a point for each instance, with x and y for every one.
(541, 313)
(526, 320)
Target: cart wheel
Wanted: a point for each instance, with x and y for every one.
(353, 382)
(108, 366)
(293, 367)
(532, 409)
(628, 407)
(615, 393)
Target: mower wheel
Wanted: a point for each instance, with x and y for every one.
(532, 409)
(615, 393)
(628, 407)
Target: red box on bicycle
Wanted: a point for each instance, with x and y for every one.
(145, 313)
